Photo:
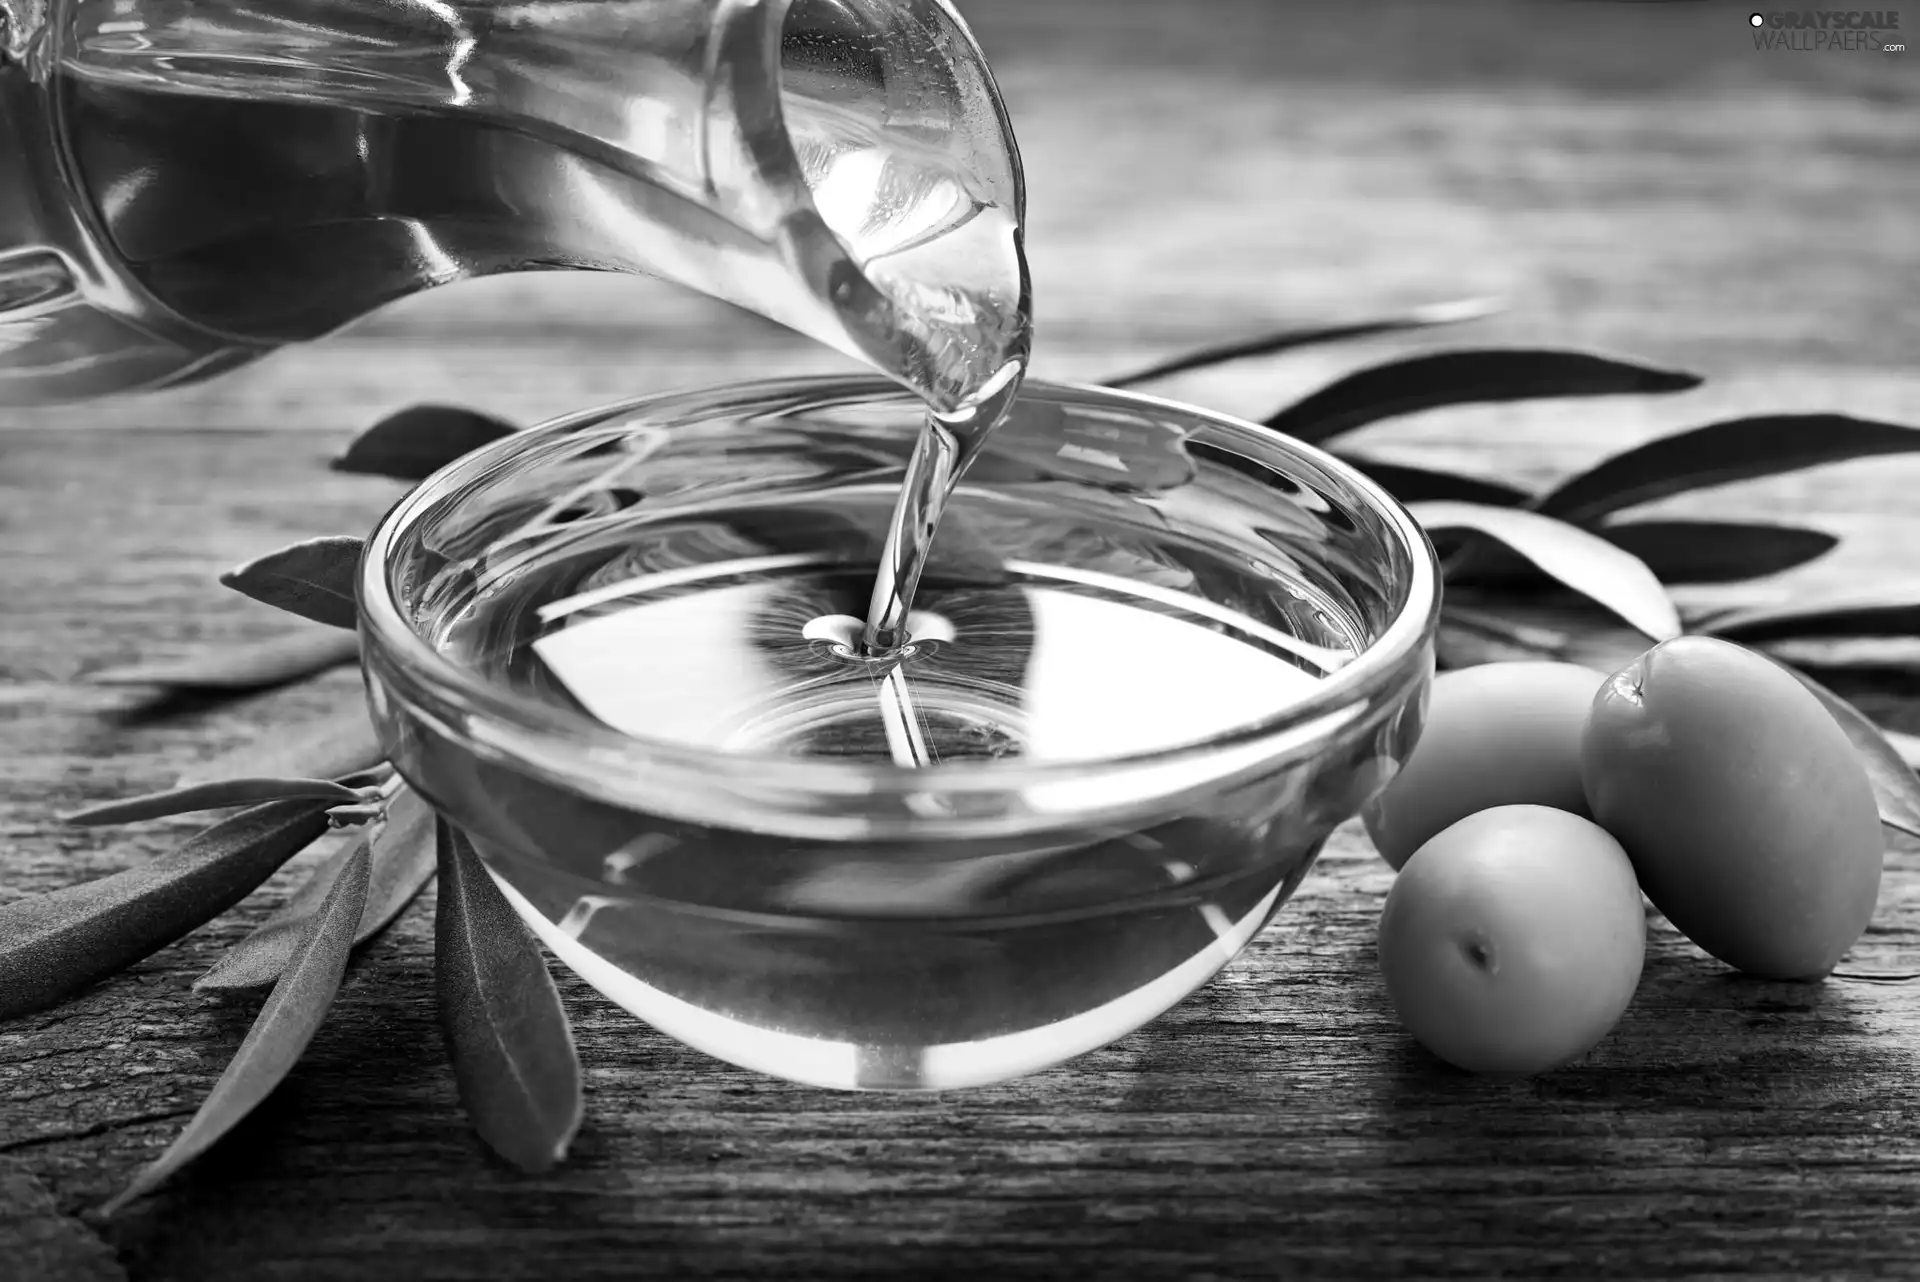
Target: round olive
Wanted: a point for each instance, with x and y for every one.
(1512, 942)
(1501, 734)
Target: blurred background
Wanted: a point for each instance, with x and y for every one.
(1636, 177)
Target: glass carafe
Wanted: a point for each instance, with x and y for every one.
(188, 184)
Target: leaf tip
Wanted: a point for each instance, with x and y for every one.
(1667, 624)
(235, 579)
(562, 1145)
(351, 462)
(220, 983)
(532, 1161)
(100, 815)
(119, 1202)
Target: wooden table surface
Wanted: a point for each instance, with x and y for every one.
(1634, 177)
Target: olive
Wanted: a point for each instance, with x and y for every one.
(1501, 734)
(1749, 819)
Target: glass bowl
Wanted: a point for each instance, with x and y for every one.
(1160, 655)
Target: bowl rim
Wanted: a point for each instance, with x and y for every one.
(572, 749)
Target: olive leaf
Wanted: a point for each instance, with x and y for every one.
(1466, 377)
(512, 1049)
(254, 665)
(1894, 786)
(414, 443)
(54, 944)
(1717, 551)
(280, 1034)
(1676, 551)
(1448, 313)
(1885, 614)
(332, 747)
(210, 796)
(1412, 484)
(401, 851)
(1583, 561)
(1737, 450)
(313, 579)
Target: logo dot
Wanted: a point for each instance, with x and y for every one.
(1756, 20)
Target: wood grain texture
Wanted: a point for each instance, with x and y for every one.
(1631, 176)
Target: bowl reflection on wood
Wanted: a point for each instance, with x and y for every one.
(1159, 656)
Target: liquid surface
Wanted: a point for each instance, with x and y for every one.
(740, 631)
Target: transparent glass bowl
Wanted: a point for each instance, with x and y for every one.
(852, 922)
